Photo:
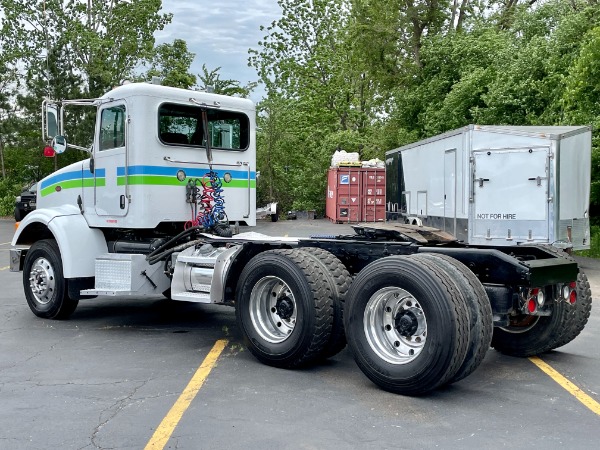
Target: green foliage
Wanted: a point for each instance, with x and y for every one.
(172, 63)
(212, 79)
(594, 250)
(8, 192)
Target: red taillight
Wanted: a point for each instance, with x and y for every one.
(531, 305)
(573, 297)
(573, 285)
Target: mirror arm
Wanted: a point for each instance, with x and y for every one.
(77, 147)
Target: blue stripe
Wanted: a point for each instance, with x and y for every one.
(75, 175)
(172, 171)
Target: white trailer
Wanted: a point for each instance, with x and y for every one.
(496, 185)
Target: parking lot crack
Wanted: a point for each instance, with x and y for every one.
(112, 411)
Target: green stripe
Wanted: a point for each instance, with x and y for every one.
(158, 180)
(73, 184)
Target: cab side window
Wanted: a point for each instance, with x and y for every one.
(181, 125)
(112, 128)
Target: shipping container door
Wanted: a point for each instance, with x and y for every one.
(510, 194)
(373, 198)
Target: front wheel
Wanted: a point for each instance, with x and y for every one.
(284, 308)
(44, 284)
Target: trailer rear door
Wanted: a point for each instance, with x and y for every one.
(510, 195)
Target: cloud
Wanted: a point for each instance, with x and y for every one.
(219, 35)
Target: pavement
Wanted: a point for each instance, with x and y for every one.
(112, 375)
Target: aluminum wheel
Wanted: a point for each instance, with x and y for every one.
(42, 281)
(273, 309)
(395, 325)
(521, 324)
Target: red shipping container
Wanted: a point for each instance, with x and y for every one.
(355, 194)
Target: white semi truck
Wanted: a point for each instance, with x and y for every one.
(148, 213)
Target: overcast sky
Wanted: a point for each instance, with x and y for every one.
(220, 33)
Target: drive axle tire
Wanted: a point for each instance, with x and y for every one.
(407, 324)
(284, 308)
(45, 287)
(577, 314)
(339, 280)
(478, 304)
(531, 335)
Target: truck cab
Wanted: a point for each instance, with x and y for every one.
(148, 146)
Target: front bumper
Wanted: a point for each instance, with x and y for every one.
(17, 256)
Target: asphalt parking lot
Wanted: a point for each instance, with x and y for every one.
(113, 374)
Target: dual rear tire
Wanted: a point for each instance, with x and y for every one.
(413, 323)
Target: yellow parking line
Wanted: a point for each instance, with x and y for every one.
(570, 387)
(167, 426)
(4, 243)
(4, 268)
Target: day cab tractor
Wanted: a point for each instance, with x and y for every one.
(149, 213)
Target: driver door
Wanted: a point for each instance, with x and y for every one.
(110, 162)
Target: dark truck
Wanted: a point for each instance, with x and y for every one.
(25, 202)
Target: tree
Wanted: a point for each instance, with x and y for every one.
(172, 63)
(103, 41)
(211, 80)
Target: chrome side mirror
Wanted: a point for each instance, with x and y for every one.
(59, 144)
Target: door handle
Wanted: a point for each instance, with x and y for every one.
(537, 179)
(481, 181)
(122, 201)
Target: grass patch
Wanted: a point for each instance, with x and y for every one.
(594, 251)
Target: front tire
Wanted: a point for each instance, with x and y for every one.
(407, 324)
(284, 308)
(44, 284)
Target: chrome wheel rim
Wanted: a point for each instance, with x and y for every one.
(42, 281)
(273, 309)
(395, 325)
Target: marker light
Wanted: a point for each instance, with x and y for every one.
(537, 295)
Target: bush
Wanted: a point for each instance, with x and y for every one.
(8, 191)
(594, 251)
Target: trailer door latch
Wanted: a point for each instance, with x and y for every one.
(537, 179)
(481, 181)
